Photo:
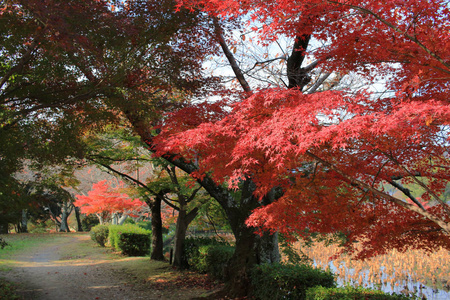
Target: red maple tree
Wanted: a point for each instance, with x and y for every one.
(105, 201)
(328, 155)
(333, 153)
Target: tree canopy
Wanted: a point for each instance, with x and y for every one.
(333, 152)
(315, 156)
(69, 66)
(105, 201)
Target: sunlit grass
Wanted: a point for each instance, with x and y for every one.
(24, 240)
(18, 243)
(87, 248)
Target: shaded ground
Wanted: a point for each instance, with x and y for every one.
(71, 266)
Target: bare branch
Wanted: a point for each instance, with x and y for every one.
(362, 185)
(233, 63)
(318, 83)
(123, 175)
(258, 63)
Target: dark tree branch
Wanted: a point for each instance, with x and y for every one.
(364, 186)
(407, 193)
(298, 76)
(118, 159)
(170, 204)
(19, 67)
(191, 215)
(123, 175)
(194, 193)
(265, 62)
(233, 63)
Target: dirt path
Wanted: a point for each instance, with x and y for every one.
(67, 268)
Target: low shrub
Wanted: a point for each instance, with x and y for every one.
(99, 234)
(8, 290)
(216, 258)
(116, 231)
(278, 281)
(192, 258)
(350, 293)
(41, 227)
(134, 244)
(145, 224)
(88, 222)
(129, 221)
(211, 259)
(3, 243)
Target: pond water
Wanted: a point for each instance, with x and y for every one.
(385, 282)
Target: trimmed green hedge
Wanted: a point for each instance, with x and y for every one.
(145, 224)
(134, 244)
(133, 234)
(350, 293)
(99, 234)
(278, 281)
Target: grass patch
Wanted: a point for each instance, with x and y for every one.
(162, 277)
(7, 290)
(20, 243)
(143, 269)
(86, 248)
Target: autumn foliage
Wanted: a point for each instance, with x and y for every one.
(104, 201)
(334, 154)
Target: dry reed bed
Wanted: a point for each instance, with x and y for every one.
(431, 269)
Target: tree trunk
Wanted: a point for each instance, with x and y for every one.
(157, 237)
(23, 226)
(298, 76)
(180, 236)
(78, 217)
(64, 227)
(100, 219)
(250, 248)
(183, 221)
(4, 228)
(122, 219)
(114, 219)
